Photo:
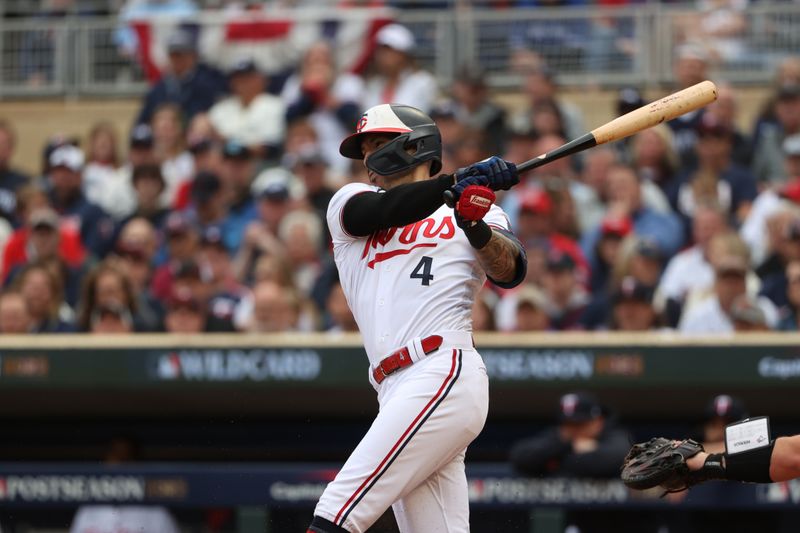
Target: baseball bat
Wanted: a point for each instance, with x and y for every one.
(647, 116)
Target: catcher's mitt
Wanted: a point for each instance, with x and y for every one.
(661, 462)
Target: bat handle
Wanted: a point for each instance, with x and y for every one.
(449, 198)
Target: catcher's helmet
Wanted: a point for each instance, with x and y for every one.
(414, 129)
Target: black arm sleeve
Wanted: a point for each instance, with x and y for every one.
(368, 212)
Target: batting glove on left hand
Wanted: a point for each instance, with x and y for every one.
(501, 174)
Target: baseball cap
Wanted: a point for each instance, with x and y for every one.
(579, 407)
(234, 149)
(141, 136)
(213, 236)
(531, 295)
(618, 227)
(558, 260)
(397, 37)
(44, 218)
(182, 298)
(277, 191)
(648, 249)
(205, 186)
(791, 190)
(67, 156)
(181, 41)
(177, 223)
(536, 201)
(244, 66)
(725, 406)
(631, 289)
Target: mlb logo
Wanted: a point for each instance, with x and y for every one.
(169, 366)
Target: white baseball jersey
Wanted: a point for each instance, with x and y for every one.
(403, 284)
(407, 282)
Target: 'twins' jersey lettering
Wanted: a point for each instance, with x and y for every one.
(407, 282)
(428, 228)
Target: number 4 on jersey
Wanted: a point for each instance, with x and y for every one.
(423, 270)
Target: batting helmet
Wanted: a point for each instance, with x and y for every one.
(414, 129)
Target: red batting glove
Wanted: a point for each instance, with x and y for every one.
(474, 202)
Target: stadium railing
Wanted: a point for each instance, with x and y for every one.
(598, 46)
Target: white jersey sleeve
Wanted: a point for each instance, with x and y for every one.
(497, 218)
(336, 207)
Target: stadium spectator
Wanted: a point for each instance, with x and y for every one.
(340, 316)
(470, 146)
(329, 100)
(531, 309)
(720, 26)
(182, 242)
(66, 196)
(768, 155)
(126, 38)
(691, 269)
(713, 313)
(208, 205)
(473, 108)
(541, 86)
(690, 66)
(483, 311)
(787, 73)
(148, 186)
(203, 144)
(587, 443)
(134, 253)
(195, 277)
(11, 179)
(274, 309)
(103, 183)
(785, 248)
(725, 110)
(43, 291)
(250, 116)
(625, 201)
(301, 233)
(108, 297)
(654, 157)
(396, 78)
(716, 178)
(140, 152)
(633, 308)
(42, 236)
(261, 236)
(236, 174)
(187, 83)
(225, 292)
(310, 165)
(612, 233)
(14, 315)
(720, 411)
(790, 316)
(177, 164)
(185, 313)
(566, 298)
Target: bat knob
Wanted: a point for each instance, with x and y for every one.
(449, 198)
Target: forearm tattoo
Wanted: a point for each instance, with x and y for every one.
(499, 258)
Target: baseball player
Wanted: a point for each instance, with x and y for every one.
(410, 268)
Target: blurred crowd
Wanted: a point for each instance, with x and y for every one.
(209, 214)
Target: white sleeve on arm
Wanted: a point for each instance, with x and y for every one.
(497, 218)
(336, 206)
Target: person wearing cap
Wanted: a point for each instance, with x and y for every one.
(633, 306)
(226, 293)
(531, 309)
(691, 269)
(474, 109)
(613, 231)
(208, 207)
(236, 175)
(586, 443)
(97, 228)
(565, 296)
(311, 166)
(769, 153)
(790, 315)
(185, 314)
(187, 82)
(783, 241)
(250, 115)
(689, 67)
(330, 100)
(396, 78)
(715, 178)
(11, 179)
(713, 313)
(720, 411)
(182, 241)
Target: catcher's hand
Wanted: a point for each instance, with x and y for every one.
(661, 462)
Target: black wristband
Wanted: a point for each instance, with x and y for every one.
(752, 465)
(478, 234)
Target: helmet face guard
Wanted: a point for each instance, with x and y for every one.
(393, 157)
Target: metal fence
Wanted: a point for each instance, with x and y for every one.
(79, 56)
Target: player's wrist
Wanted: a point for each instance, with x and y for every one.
(478, 233)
